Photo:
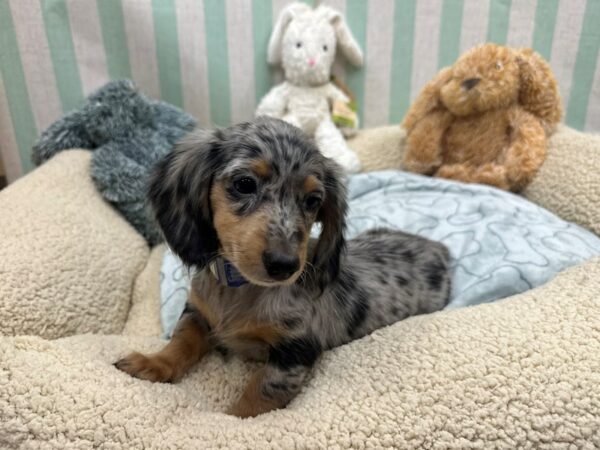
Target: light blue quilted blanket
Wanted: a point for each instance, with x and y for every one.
(501, 244)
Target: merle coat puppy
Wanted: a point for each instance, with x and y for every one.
(241, 201)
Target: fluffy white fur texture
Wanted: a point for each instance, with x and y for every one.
(304, 42)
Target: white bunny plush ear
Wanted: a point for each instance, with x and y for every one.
(345, 41)
(285, 17)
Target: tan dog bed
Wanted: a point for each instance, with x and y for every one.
(522, 372)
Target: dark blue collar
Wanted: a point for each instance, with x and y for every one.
(226, 273)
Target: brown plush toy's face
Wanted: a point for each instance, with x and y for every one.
(484, 78)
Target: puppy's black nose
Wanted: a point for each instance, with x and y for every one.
(470, 83)
(279, 265)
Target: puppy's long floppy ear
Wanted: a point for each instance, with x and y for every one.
(538, 91)
(274, 51)
(332, 216)
(345, 41)
(179, 193)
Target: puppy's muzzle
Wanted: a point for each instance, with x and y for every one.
(280, 266)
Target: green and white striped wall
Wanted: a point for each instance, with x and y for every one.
(209, 56)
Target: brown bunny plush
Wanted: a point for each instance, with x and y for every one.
(486, 119)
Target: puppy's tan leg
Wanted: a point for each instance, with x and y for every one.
(187, 346)
(275, 385)
(253, 401)
(269, 388)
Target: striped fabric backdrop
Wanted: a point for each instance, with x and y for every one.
(209, 56)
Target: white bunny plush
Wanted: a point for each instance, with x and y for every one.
(304, 41)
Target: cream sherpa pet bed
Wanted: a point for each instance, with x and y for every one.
(522, 372)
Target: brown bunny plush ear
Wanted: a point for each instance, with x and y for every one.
(428, 99)
(538, 92)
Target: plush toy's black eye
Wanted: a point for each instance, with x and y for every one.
(324, 48)
(298, 44)
(312, 203)
(245, 185)
(498, 66)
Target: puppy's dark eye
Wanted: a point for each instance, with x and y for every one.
(312, 203)
(298, 44)
(245, 185)
(324, 48)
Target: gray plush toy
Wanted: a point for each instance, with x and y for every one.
(128, 133)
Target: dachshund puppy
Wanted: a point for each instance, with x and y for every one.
(239, 204)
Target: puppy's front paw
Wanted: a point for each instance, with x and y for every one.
(238, 411)
(152, 368)
(243, 409)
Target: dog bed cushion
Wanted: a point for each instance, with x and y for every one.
(519, 373)
(67, 258)
(501, 244)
